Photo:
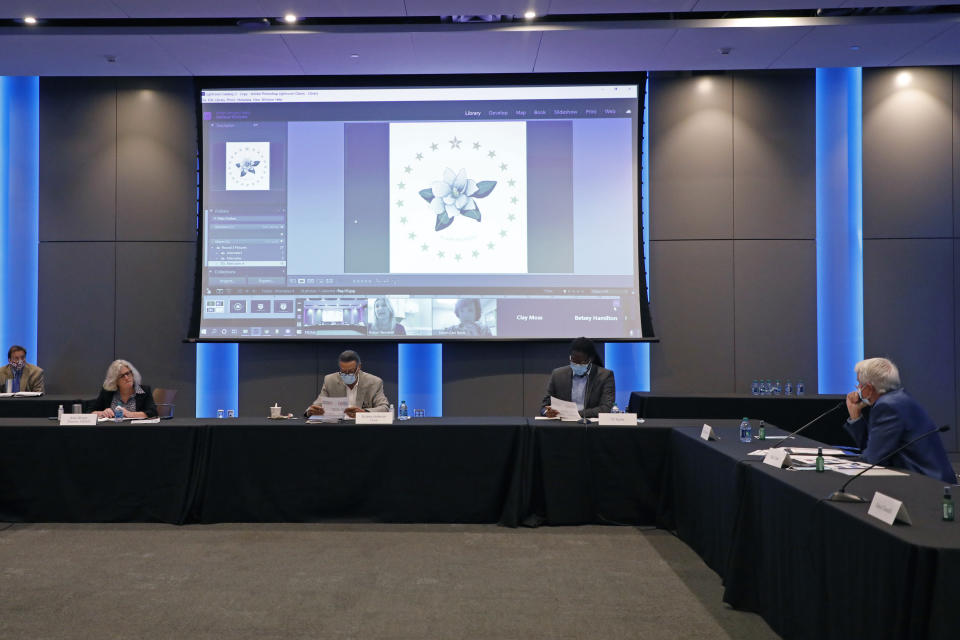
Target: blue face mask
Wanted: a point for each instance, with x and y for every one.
(348, 378)
(579, 369)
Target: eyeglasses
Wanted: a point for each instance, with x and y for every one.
(125, 374)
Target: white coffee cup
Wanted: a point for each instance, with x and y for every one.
(275, 411)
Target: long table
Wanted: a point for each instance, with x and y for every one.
(37, 406)
(810, 567)
(787, 412)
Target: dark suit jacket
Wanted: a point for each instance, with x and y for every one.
(893, 420)
(598, 396)
(145, 402)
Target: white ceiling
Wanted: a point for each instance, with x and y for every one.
(680, 43)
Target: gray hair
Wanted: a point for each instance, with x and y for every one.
(350, 356)
(113, 372)
(879, 372)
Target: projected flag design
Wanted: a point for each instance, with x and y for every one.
(458, 197)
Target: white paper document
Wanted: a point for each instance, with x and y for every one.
(812, 451)
(333, 408)
(146, 421)
(22, 394)
(568, 410)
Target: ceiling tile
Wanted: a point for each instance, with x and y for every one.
(941, 50)
(53, 55)
(879, 45)
(601, 50)
(488, 52)
(190, 8)
(322, 53)
(474, 7)
(750, 48)
(51, 9)
(242, 54)
(560, 7)
(333, 8)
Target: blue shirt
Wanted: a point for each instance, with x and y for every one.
(579, 388)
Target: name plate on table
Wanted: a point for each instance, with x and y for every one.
(78, 419)
(374, 417)
(888, 510)
(707, 433)
(611, 419)
(777, 458)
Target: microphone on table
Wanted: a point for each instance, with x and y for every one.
(842, 403)
(843, 496)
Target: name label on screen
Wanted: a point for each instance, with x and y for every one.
(707, 433)
(888, 510)
(78, 419)
(613, 419)
(374, 417)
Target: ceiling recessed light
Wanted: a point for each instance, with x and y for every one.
(724, 51)
(854, 47)
(530, 15)
(354, 55)
(30, 20)
(290, 18)
(904, 78)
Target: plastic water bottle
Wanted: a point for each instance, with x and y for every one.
(219, 413)
(947, 505)
(755, 388)
(762, 431)
(788, 389)
(776, 388)
(118, 414)
(60, 414)
(800, 388)
(745, 431)
(404, 412)
(615, 408)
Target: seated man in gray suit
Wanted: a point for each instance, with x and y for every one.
(364, 391)
(583, 381)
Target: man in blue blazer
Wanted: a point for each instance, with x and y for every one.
(583, 381)
(884, 417)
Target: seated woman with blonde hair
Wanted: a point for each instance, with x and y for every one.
(123, 395)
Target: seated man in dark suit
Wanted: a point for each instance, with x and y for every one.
(883, 417)
(364, 391)
(22, 375)
(583, 381)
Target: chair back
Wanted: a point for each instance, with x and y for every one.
(164, 399)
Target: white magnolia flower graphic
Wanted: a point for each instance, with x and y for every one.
(455, 195)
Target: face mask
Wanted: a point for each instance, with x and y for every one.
(348, 378)
(579, 369)
(17, 366)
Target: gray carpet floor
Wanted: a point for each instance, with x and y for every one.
(264, 581)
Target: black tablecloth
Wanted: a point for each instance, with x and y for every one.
(787, 412)
(36, 407)
(423, 470)
(813, 568)
(809, 567)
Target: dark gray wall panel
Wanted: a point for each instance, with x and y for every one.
(482, 379)
(283, 373)
(909, 319)
(153, 315)
(539, 359)
(691, 285)
(76, 318)
(776, 311)
(379, 358)
(78, 159)
(774, 151)
(907, 154)
(691, 157)
(156, 159)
